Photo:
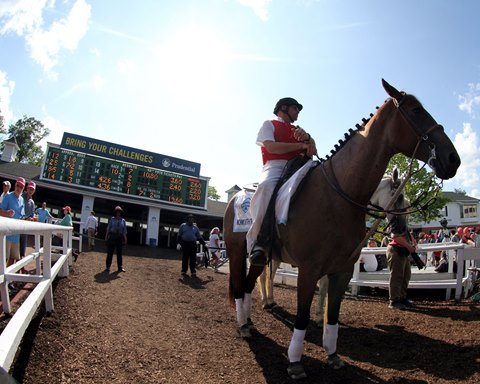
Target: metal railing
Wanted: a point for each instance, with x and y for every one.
(50, 261)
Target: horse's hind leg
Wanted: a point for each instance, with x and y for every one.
(265, 284)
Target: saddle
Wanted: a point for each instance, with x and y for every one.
(267, 234)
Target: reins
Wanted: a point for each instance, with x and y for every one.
(373, 210)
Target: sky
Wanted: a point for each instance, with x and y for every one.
(195, 79)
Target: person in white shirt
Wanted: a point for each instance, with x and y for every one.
(368, 262)
(91, 226)
(6, 188)
(214, 245)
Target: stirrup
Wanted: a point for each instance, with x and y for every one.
(258, 257)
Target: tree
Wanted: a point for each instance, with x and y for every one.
(460, 191)
(2, 123)
(419, 185)
(212, 193)
(29, 132)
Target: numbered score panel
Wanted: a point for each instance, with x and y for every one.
(115, 176)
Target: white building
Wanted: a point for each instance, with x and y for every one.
(461, 210)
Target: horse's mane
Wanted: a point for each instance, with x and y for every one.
(347, 136)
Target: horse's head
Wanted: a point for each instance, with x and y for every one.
(422, 131)
(385, 191)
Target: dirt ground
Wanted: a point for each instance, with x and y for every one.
(149, 325)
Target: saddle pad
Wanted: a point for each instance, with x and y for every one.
(287, 190)
(242, 220)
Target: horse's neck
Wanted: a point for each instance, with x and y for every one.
(361, 164)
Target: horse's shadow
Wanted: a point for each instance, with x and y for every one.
(392, 347)
(317, 370)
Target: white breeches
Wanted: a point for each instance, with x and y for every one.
(258, 206)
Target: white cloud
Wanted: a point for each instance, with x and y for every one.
(56, 129)
(24, 18)
(98, 83)
(21, 16)
(6, 90)
(470, 100)
(468, 173)
(258, 6)
(126, 67)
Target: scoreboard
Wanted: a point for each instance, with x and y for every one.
(110, 175)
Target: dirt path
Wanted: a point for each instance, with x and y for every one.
(148, 325)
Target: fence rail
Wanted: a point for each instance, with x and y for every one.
(44, 274)
(420, 279)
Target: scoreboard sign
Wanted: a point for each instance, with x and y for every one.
(71, 167)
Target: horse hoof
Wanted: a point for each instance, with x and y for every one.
(334, 361)
(296, 371)
(269, 306)
(250, 323)
(245, 331)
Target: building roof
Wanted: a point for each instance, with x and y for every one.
(459, 197)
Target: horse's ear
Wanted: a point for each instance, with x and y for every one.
(392, 91)
(395, 174)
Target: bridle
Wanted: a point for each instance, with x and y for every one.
(380, 212)
(421, 136)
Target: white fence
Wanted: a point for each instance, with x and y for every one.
(426, 279)
(44, 274)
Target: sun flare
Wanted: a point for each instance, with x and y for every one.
(193, 63)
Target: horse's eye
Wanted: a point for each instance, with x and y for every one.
(417, 110)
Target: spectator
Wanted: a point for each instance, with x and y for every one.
(13, 206)
(422, 239)
(188, 235)
(67, 217)
(43, 213)
(6, 188)
(467, 237)
(116, 238)
(91, 225)
(214, 247)
(477, 237)
(368, 262)
(29, 214)
(398, 250)
(457, 237)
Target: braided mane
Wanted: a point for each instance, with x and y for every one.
(351, 132)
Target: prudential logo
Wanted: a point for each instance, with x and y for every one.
(166, 162)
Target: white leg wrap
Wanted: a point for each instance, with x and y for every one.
(241, 318)
(247, 305)
(330, 336)
(296, 345)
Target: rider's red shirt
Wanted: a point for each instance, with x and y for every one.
(283, 133)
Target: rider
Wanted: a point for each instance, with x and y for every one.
(280, 141)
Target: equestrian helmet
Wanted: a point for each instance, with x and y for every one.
(286, 102)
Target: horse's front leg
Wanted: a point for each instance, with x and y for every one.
(337, 284)
(305, 291)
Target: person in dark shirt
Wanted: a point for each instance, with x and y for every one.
(188, 235)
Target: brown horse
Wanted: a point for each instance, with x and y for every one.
(335, 193)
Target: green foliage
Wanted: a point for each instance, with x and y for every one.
(29, 132)
(212, 193)
(420, 184)
(460, 191)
